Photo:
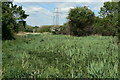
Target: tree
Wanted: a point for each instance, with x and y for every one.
(0, 21)
(118, 21)
(109, 15)
(80, 19)
(11, 15)
(65, 29)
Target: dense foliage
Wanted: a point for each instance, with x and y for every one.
(12, 16)
(45, 28)
(28, 28)
(83, 22)
(109, 16)
(0, 21)
(59, 56)
(119, 21)
(80, 19)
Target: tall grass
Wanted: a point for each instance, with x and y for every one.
(46, 56)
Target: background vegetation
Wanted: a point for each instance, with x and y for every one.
(81, 21)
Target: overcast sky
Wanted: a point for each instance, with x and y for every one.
(41, 11)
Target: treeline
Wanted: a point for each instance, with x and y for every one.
(39, 29)
(45, 28)
(81, 21)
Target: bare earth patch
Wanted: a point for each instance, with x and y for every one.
(25, 33)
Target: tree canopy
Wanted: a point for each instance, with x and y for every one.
(79, 18)
(11, 16)
(82, 20)
(109, 15)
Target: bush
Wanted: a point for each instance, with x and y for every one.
(29, 28)
(65, 29)
(79, 19)
(45, 29)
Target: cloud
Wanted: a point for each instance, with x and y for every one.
(37, 10)
(66, 9)
(38, 15)
(33, 9)
(42, 13)
(95, 6)
(65, 4)
(61, 0)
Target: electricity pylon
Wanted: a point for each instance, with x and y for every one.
(56, 17)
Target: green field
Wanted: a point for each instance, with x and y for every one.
(46, 56)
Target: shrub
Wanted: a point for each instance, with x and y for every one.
(45, 28)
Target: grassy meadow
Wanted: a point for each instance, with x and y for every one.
(60, 56)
